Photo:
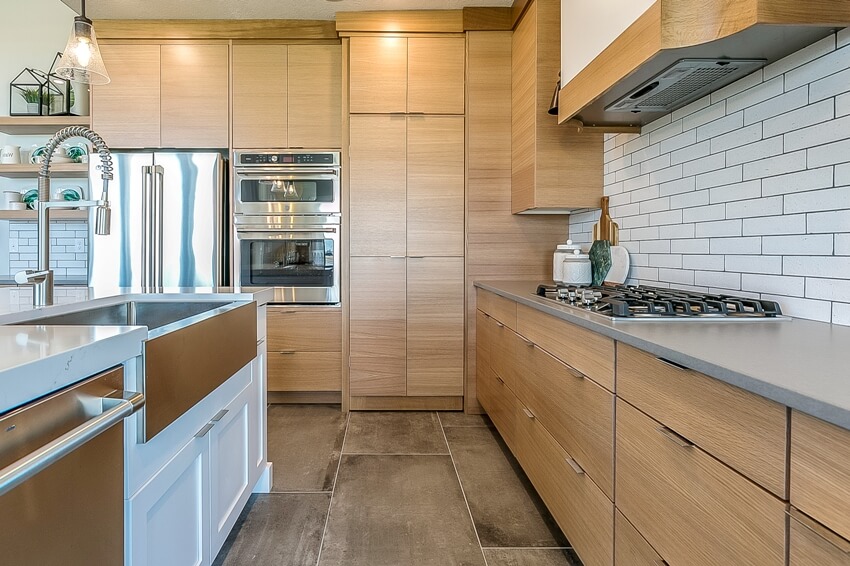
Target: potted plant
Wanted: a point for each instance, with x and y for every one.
(32, 96)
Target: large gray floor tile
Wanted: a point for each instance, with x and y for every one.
(277, 529)
(530, 557)
(506, 509)
(399, 511)
(457, 418)
(400, 432)
(304, 442)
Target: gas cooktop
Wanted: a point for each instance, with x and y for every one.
(641, 302)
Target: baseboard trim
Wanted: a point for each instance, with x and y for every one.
(305, 397)
(406, 403)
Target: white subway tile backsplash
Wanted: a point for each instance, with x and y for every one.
(842, 244)
(621, 139)
(806, 116)
(720, 126)
(655, 164)
(704, 262)
(689, 109)
(830, 154)
(819, 134)
(647, 153)
(804, 55)
(626, 210)
(613, 188)
(842, 105)
(725, 176)
(678, 186)
(830, 63)
(676, 231)
(828, 289)
(803, 308)
(719, 228)
(704, 116)
(627, 173)
(771, 225)
(620, 199)
(751, 97)
(809, 180)
(634, 145)
(650, 233)
(635, 183)
(739, 246)
(843, 37)
(665, 132)
(704, 213)
(650, 273)
(774, 284)
(828, 222)
(842, 175)
(655, 246)
(737, 191)
(665, 260)
(771, 166)
(816, 201)
(817, 266)
(758, 150)
(665, 175)
(704, 164)
(724, 280)
(830, 86)
(618, 163)
(691, 153)
(645, 193)
(740, 85)
(754, 207)
(609, 142)
(677, 276)
(687, 200)
(613, 154)
(841, 312)
(638, 221)
(687, 138)
(667, 217)
(797, 245)
(656, 124)
(693, 246)
(777, 105)
(736, 138)
(656, 205)
(771, 265)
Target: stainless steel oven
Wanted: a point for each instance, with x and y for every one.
(296, 255)
(271, 182)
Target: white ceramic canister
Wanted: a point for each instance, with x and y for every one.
(561, 253)
(577, 269)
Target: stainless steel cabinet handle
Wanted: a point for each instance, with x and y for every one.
(675, 437)
(574, 371)
(672, 364)
(526, 341)
(397, 257)
(499, 324)
(205, 430)
(115, 410)
(574, 465)
(219, 415)
(528, 413)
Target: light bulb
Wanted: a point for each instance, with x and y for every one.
(83, 51)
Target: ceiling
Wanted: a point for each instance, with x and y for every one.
(258, 9)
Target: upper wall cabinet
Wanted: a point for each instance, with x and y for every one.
(628, 62)
(287, 96)
(415, 75)
(170, 95)
(553, 169)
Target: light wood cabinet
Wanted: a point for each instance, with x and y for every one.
(407, 75)
(435, 326)
(378, 326)
(287, 96)
(500, 308)
(630, 548)
(745, 431)
(553, 168)
(690, 507)
(820, 471)
(126, 111)
(170, 95)
(304, 349)
(811, 544)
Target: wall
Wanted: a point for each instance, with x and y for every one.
(31, 33)
(746, 190)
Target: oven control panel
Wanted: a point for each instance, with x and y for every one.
(275, 158)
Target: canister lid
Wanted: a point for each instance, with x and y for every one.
(569, 246)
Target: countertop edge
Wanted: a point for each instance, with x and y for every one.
(834, 414)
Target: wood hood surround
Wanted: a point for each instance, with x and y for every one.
(675, 29)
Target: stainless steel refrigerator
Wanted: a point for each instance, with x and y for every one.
(168, 223)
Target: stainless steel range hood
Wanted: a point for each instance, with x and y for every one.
(690, 48)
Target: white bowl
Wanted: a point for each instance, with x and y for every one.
(16, 205)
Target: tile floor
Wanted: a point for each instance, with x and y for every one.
(392, 489)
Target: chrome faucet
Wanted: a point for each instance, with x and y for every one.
(42, 278)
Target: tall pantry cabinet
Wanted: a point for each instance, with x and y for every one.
(406, 217)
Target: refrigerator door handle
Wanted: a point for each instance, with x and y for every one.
(159, 181)
(147, 179)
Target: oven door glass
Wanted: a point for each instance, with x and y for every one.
(287, 188)
(288, 260)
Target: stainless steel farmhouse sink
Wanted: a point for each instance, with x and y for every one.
(192, 348)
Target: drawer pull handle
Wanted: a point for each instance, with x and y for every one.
(661, 563)
(528, 413)
(502, 381)
(219, 415)
(499, 324)
(527, 342)
(203, 432)
(286, 353)
(675, 437)
(574, 371)
(574, 465)
(673, 364)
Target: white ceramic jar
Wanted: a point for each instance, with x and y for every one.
(577, 269)
(561, 253)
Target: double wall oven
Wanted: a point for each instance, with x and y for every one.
(286, 224)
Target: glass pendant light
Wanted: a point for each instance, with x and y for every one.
(81, 61)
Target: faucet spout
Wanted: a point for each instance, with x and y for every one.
(42, 278)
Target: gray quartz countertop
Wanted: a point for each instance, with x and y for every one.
(800, 363)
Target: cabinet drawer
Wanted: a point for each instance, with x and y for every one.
(508, 356)
(590, 353)
(500, 308)
(820, 471)
(305, 371)
(811, 544)
(582, 511)
(293, 329)
(577, 412)
(499, 402)
(745, 431)
(630, 548)
(691, 508)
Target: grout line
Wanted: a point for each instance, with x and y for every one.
(308, 492)
(527, 548)
(333, 489)
(397, 453)
(462, 491)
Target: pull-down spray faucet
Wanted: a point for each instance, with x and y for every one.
(42, 278)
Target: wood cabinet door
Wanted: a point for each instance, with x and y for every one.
(259, 78)
(435, 326)
(435, 75)
(194, 96)
(378, 326)
(315, 96)
(377, 75)
(435, 185)
(125, 112)
(378, 186)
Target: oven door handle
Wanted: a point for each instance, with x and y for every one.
(285, 231)
(115, 410)
(287, 174)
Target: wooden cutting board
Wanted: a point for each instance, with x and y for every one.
(606, 228)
